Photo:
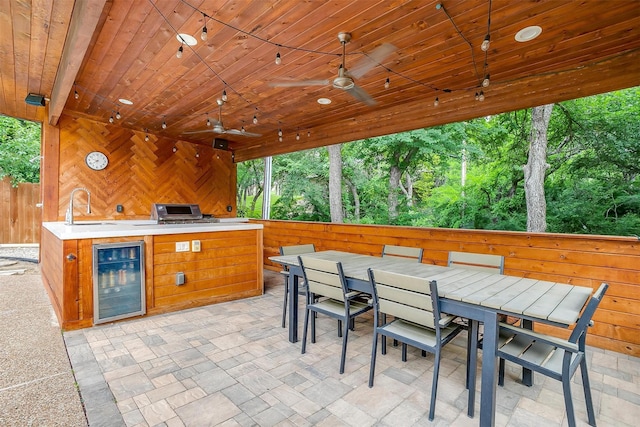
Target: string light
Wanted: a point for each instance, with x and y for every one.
(76, 95)
(197, 154)
(436, 102)
(118, 116)
(280, 138)
(208, 121)
(387, 83)
(485, 43)
(146, 138)
(242, 129)
(485, 82)
(255, 119)
(224, 95)
(477, 96)
(298, 136)
(164, 124)
(180, 50)
(174, 149)
(203, 35)
(481, 96)
(278, 57)
(308, 133)
(111, 119)
(279, 132)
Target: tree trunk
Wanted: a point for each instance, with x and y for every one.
(356, 200)
(394, 183)
(534, 170)
(335, 183)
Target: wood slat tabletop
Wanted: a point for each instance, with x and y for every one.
(557, 303)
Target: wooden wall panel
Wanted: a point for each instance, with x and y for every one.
(20, 216)
(580, 260)
(226, 268)
(140, 172)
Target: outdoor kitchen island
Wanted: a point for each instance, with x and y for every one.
(177, 266)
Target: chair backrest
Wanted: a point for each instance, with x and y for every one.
(405, 297)
(323, 277)
(580, 330)
(402, 252)
(297, 249)
(483, 262)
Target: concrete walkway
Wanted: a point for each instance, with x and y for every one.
(37, 386)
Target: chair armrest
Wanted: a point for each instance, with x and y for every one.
(556, 342)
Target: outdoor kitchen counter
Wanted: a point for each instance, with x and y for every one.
(129, 228)
(185, 265)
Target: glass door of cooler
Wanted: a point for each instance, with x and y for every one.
(118, 281)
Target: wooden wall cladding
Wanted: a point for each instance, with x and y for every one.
(580, 260)
(140, 172)
(226, 268)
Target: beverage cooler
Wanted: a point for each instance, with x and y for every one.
(118, 281)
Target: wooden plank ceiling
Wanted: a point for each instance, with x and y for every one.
(107, 50)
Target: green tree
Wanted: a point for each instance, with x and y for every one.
(19, 150)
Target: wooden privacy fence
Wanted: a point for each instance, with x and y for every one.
(580, 260)
(20, 217)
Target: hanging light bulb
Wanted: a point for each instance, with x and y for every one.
(146, 138)
(180, 50)
(481, 96)
(242, 129)
(197, 155)
(203, 34)
(280, 138)
(387, 83)
(477, 96)
(111, 119)
(208, 121)
(76, 95)
(224, 95)
(174, 149)
(485, 43)
(118, 116)
(164, 124)
(255, 119)
(308, 134)
(436, 102)
(485, 82)
(298, 136)
(279, 132)
(278, 59)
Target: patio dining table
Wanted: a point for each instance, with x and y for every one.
(475, 295)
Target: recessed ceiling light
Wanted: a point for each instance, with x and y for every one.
(324, 101)
(125, 101)
(528, 33)
(186, 39)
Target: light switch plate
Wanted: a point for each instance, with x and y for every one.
(182, 246)
(195, 246)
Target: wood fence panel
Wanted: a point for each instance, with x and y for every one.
(20, 217)
(580, 260)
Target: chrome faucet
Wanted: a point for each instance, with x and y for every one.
(68, 218)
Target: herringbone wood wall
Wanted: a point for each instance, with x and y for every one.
(140, 172)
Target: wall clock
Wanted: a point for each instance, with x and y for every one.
(96, 160)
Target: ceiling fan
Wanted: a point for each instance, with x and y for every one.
(219, 128)
(345, 79)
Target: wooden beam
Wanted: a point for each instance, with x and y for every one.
(84, 20)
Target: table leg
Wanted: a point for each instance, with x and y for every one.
(293, 307)
(473, 363)
(527, 374)
(489, 370)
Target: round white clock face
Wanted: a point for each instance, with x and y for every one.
(96, 160)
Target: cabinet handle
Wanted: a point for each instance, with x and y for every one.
(71, 257)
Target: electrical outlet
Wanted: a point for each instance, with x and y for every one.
(182, 246)
(195, 246)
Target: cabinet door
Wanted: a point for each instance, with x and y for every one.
(118, 281)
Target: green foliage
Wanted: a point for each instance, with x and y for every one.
(592, 183)
(19, 150)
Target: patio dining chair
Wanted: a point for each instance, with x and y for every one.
(415, 306)
(327, 294)
(554, 357)
(291, 250)
(406, 252)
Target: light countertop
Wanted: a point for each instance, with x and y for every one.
(128, 228)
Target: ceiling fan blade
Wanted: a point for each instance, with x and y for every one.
(371, 59)
(361, 95)
(242, 133)
(299, 83)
